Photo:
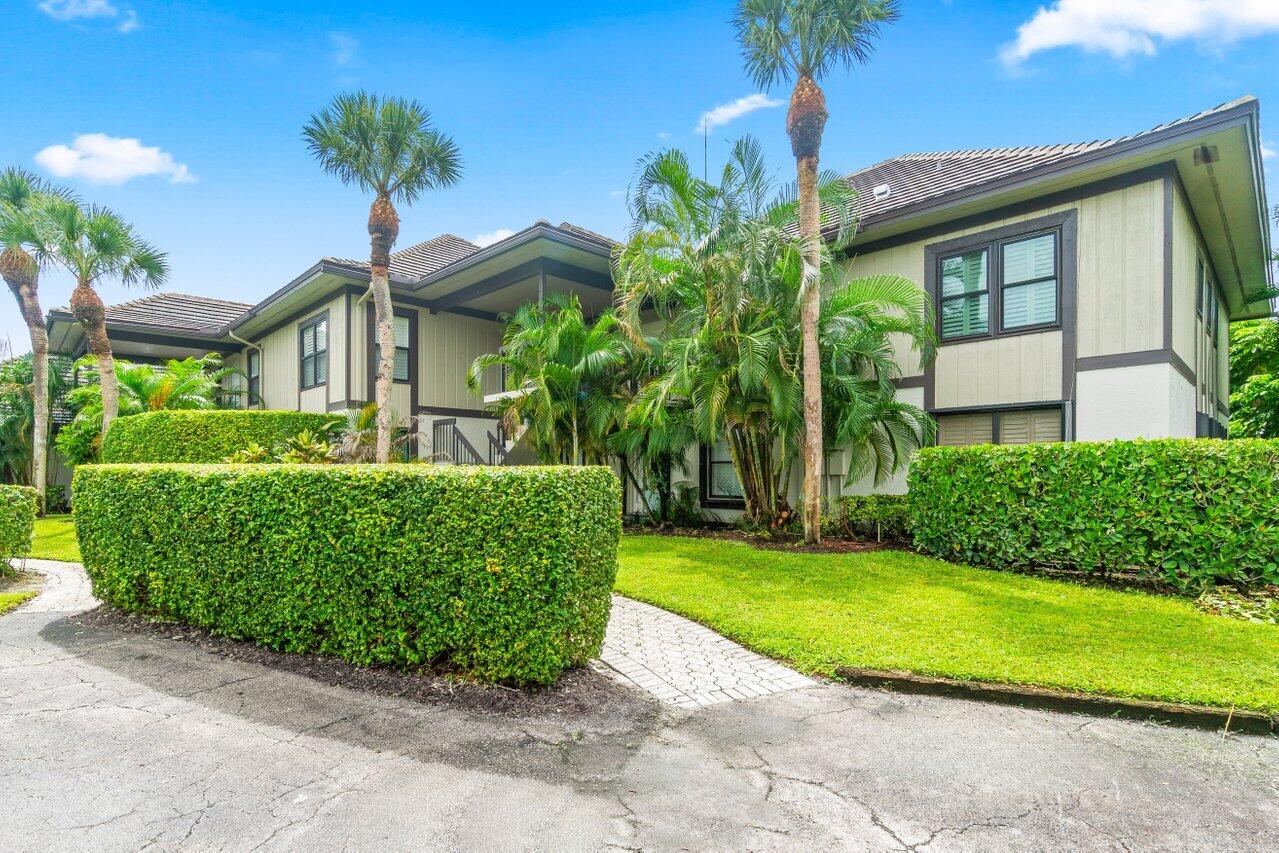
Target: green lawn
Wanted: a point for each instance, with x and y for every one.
(891, 610)
(10, 600)
(55, 539)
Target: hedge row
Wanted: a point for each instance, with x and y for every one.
(18, 507)
(204, 435)
(503, 572)
(1189, 511)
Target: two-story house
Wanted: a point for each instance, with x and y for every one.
(1082, 292)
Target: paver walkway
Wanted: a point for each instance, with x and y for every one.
(684, 663)
(111, 740)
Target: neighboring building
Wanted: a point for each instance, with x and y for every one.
(1082, 292)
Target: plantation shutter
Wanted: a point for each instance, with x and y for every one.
(965, 296)
(321, 352)
(960, 430)
(401, 371)
(1030, 426)
(1029, 293)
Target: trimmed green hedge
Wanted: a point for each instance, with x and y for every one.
(1189, 511)
(504, 572)
(203, 435)
(878, 516)
(18, 507)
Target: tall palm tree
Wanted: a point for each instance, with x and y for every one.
(93, 244)
(19, 191)
(386, 146)
(18, 413)
(801, 40)
(723, 269)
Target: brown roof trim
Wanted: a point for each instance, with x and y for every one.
(541, 230)
(1243, 113)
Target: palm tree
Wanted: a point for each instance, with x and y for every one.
(386, 146)
(19, 193)
(803, 40)
(189, 383)
(570, 376)
(19, 411)
(94, 243)
(723, 270)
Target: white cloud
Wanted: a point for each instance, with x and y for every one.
(491, 237)
(663, 135)
(617, 193)
(74, 10)
(1123, 28)
(346, 50)
(103, 159)
(1267, 150)
(725, 113)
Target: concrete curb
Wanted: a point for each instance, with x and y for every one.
(1192, 716)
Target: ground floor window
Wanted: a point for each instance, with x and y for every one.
(1003, 426)
(720, 485)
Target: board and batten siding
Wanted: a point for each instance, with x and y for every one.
(1119, 298)
(280, 362)
(448, 345)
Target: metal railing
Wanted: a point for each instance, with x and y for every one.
(447, 441)
(497, 448)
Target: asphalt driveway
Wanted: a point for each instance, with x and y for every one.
(114, 740)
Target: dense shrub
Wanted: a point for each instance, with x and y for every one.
(503, 572)
(1189, 511)
(879, 516)
(204, 435)
(17, 520)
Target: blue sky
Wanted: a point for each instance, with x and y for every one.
(551, 104)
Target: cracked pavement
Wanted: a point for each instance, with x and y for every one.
(118, 741)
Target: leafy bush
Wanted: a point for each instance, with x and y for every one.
(205, 436)
(505, 572)
(1188, 511)
(880, 516)
(17, 520)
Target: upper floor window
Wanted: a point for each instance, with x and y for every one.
(1025, 273)
(314, 368)
(403, 349)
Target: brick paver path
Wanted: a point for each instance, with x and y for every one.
(684, 663)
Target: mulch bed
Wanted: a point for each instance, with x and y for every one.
(580, 691)
(774, 541)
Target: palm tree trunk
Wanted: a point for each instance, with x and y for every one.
(384, 227)
(20, 272)
(805, 121)
(91, 314)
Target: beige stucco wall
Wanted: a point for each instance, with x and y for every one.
(1188, 334)
(1119, 299)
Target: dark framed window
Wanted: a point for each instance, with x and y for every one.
(313, 370)
(965, 294)
(403, 349)
(1009, 282)
(254, 370)
(720, 486)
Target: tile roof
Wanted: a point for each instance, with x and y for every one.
(175, 312)
(915, 178)
(422, 258)
(587, 233)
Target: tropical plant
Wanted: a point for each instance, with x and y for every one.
(19, 459)
(20, 194)
(1254, 379)
(252, 452)
(569, 377)
(189, 383)
(93, 244)
(722, 268)
(308, 448)
(386, 146)
(802, 40)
